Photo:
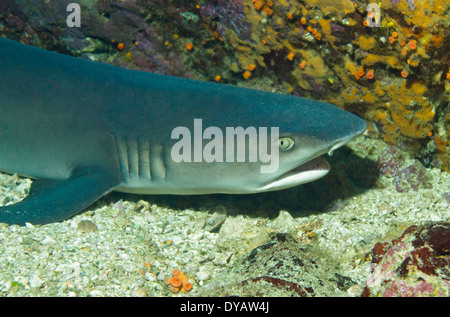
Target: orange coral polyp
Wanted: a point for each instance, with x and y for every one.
(268, 10)
(360, 72)
(258, 4)
(187, 286)
(404, 73)
(176, 282)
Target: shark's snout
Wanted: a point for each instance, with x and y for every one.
(337, 129)
(353, 127)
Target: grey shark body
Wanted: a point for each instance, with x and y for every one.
(83, 129)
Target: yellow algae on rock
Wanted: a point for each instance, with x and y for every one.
(385, 4)
(366, 43)
(406, 111)
(351, 67)
(344, 78)
(338, 63)
(411, 112)
(258, 4)
(408, 125)
(336, 7)
(429, 14)
(326, 29)
(378, 89)
(440, 7)
(316, 65)
(391, 61)
(368, 96)
(426, 114)
(317, 70)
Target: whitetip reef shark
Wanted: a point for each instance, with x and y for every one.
(82, 129)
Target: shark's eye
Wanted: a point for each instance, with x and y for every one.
(285, 144)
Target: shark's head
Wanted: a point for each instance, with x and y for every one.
(281, 137)
(307, 130)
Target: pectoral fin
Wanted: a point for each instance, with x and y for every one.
(56, 200)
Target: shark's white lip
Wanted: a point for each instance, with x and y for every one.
(304, 173)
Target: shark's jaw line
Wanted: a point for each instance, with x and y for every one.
(314, 169)
(311, 170)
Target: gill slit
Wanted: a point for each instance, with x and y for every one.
(133, 157)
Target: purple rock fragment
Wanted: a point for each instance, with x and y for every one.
(390, 161)
(415, 264)
(230, 16)
(446, 197)
(413, 176)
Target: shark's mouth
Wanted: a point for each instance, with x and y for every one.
(304, 173)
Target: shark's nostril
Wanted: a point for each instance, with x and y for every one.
(338, 145)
